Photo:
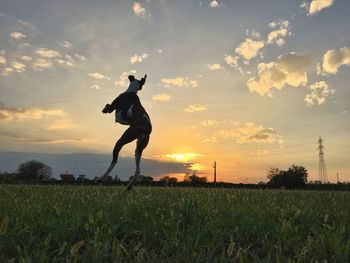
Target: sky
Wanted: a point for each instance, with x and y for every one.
(249, 84)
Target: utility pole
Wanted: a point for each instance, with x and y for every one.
(214, 166)
(337, 178)
(322, 171)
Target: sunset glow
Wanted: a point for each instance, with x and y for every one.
(248, 84)
(182, 157)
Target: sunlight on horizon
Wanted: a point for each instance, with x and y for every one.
(248, 84)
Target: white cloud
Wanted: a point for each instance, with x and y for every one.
(67, 60)
(214, 4)
(98, 76)
(195, 108)
(250, 132)
(208, 139)
(304, 5)
(123, 79)
(277, 36)
(139, 10)
(281, 24)
(249, 48)
(18, 35)
(253, 33)
(7, 71)
(179, 82)
(193, 83)
(66, 44)
(47, 53)
(18, 67)
(214, 66)
(333, 59)
(41, 64)
(281, 30)
(319, 92)
(232, 61)
(209, 123)
(2, 60)
(286, 70)
(211, 139)
(161, 97)
(62, 125)
(80, 57)
(26, 58)
(23, 46)
(138, 58)
(95, 86)
(317, 5)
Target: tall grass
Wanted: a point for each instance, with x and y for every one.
(106, 224)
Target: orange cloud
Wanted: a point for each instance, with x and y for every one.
(161, 97)
(249, 48)
(9, 113)
(195, 108)
(179, 82)
(250, 132)
(317, 5)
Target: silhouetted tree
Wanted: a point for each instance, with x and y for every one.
(8, 177)
(142, 179)
(34, 171)
(294, 177)
(108, 179)
(168, 179)
(81, 179)
(194, 179)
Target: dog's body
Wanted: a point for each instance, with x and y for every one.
(133, 114)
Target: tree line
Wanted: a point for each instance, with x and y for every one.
(295, 177)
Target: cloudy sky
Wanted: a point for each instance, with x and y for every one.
(250, 84)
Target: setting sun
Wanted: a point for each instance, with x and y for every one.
(182, 157)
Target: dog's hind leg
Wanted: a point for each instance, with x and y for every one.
(142, 143)
(129, 135)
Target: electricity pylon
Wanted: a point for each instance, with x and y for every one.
(322, 171)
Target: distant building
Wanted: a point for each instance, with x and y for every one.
(67, 178)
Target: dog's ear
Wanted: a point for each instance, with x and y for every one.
(107, 108)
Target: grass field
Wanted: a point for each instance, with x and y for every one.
(105, 224)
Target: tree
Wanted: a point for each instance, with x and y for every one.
(8, 177)
(142, 179)
(194, 179)
(117, 179)
(34, 171)
(168, 179)
(294, 177)
(81, 179)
